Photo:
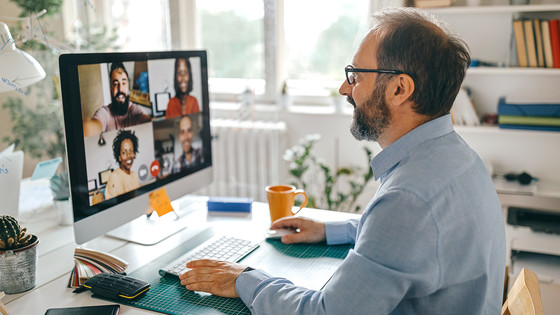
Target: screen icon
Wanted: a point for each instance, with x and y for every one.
(154, 168)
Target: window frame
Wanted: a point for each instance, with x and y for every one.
(185, 25)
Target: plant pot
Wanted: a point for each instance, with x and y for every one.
(18, 268)
(63, 209)
(339, 102)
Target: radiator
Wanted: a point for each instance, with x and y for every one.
(246, 156)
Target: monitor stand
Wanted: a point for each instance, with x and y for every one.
(148, 230)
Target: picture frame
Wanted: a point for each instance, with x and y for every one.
(92, 184)
(104, 176)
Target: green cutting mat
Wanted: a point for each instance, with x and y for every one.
(308, 265)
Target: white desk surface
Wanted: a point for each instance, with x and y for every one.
(56, 250)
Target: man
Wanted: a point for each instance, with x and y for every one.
(432, 239)
(121, 113)
(190, 156)
(121, 180)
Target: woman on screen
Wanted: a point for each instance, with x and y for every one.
(182, 103)
(121, 180)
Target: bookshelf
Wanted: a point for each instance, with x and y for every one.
(497, 9)
(488, 31)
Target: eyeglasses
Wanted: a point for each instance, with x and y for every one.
(351, 77)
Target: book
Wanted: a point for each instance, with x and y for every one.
(547, 45)
(432, 3)
(105, 258)
(529, 127)
(538, 42)
(519, 35)
(463, 111)
(529, 121)
(89, 262)
(530, 43)
(555, 42)
(540, 107)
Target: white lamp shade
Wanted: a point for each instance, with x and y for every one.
(17, 68)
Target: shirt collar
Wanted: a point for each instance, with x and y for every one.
(399, 149)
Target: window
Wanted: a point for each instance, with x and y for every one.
(263, 45)
(233, 35)
(142, 25)
(318, 46)
(128, 25)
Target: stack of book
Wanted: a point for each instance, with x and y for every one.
(529, 114)
(463, 112)
(89, 262)
(432, 3)
(537, 42)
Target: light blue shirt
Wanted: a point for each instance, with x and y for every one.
(431, 241)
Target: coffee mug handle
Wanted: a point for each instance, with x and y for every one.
(300, 192)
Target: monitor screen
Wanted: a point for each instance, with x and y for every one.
(134, 123)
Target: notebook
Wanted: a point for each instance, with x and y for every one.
(11, 169)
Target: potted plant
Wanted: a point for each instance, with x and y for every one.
(61, 195)
(18, 256)
(338, 101)
(329, 193)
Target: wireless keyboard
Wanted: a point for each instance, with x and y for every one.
(225, 248)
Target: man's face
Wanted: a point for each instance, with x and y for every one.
(119, 91)
(183, 75)
(367, 94)
(185, 133)
(127, 155)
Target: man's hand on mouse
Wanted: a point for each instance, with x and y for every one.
(212, 276)
(310, 231)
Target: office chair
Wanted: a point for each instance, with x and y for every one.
(524, 297)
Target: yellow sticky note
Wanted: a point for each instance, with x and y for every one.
(160, 202)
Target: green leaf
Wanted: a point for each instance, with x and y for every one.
(344, 171)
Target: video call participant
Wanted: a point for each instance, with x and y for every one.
(191, 156)
(432, 239)
(182, 103)
(121, 180)
(121, 113)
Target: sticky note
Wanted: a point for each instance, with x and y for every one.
(159, 200)
(46, 168)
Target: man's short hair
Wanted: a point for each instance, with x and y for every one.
(117, 65)
(417, 44)
(121, 136)
(176, 84)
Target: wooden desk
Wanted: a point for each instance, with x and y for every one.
(56, 249)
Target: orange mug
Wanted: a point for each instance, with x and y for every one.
(281, 200)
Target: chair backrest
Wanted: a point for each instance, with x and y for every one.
(524, 297)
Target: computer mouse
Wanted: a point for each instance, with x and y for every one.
(276, 234)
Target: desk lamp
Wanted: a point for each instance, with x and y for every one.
(17, 68)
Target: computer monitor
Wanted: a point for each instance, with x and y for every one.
(122, 143)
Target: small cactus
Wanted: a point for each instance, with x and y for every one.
(12, 236)
(59, 186)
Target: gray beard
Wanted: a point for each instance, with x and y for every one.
(370, 127)
(360, 128)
